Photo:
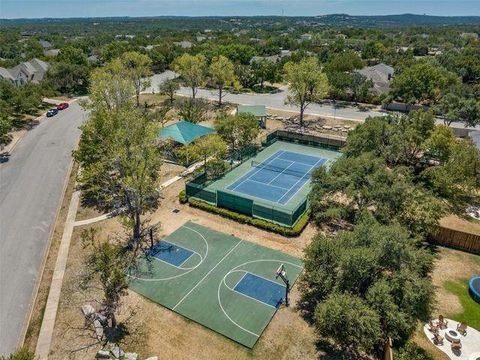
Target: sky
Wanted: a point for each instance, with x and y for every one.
(99, 8)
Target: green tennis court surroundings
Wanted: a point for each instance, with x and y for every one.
(224, 283)
(273, 185)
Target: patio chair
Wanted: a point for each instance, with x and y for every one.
(456, 347)
(442, 322)
(438, 339)
(462, 329)
(433, 328)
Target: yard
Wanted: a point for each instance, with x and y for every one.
(453, 269)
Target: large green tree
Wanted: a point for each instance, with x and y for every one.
(222, 74)
(69, 74)
(380, 273)
(306, 83)
(423, 83)
(193, 70)
(239, 131)
(118, 152)
(137, 68)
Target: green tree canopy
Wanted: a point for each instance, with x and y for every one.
(239, 131)
(375, 277)
(193, 70)
(222, 74)
(307, 83)
(423, 83)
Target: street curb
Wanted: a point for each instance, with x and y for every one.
(47, 251)
(45, 256)
(14, 145)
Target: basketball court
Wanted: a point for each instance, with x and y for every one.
(229, 285)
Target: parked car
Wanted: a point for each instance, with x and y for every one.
(62, 106)
(52, 112)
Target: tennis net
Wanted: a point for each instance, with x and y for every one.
(279, 169)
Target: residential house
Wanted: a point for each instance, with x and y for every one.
(46, 45)
(183, 44)
(33, 70)
(381, 76)
(306, 37)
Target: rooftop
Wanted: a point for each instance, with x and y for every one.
(184, 132)
(257, 110)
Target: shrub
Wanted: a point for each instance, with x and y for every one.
(182, 197)
(245, 219)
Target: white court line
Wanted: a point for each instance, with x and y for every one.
(266, 161)
(275, 186)
(243, 294)
(300, 162)
(240, 293)
(235, 269)
(206, 275)
(291, 163)
(193, 252)
(189, 270)
(308, 172)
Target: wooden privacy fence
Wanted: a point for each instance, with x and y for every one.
(457, 239)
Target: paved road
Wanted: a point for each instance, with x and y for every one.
(274, 101)
(31, 185)
(277, 101)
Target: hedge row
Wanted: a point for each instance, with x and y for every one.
(245, 219)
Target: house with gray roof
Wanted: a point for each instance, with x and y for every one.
(33, 70)
(381, 76)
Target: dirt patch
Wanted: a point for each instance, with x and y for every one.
(44, 287)
(465, 225)
(452, 265)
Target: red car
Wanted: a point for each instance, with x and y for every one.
(62, 106)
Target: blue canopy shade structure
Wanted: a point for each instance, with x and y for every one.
(184, 132)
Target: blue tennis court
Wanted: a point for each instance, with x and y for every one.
(279, 177)
(261, 289)
(170, 253)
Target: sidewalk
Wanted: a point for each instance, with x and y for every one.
(48, 324)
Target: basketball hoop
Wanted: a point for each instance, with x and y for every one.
(282, 273)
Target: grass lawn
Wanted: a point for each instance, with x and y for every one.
(471, 309)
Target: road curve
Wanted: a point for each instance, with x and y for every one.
(31, 186)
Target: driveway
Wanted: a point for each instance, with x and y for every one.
(31, 186)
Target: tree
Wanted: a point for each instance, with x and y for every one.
(110, 88)
(5, 127)
(137, 69)
(168, 88)
(118, 152)
(107, 264)
(265, 70)
(422, 82)
(69, 74)
(307, 83)
(210, 149)
(193, 111)
(193, 70)
(222, 73)
(238, 131)
(374, 273)
(449, 107)
(120, 163)
(349, 321)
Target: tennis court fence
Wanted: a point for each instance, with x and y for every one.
(197, 188)
(324, 141)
